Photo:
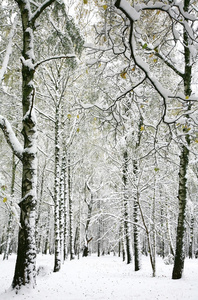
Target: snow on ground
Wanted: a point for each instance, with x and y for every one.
(104, 278)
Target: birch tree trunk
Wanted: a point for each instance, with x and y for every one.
(25, 268)
(65, 206)
(71, 229)
(183, 166)
(57, 258)
(89, 212)
(10, 218)
(127, 229)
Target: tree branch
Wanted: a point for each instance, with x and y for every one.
(39, 11)
(11, 138)
(8, 50)
(54, 57)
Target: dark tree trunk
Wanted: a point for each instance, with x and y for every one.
(179, 253)
(25, 269)
(126, 210)
(190, 249)
(184, 157)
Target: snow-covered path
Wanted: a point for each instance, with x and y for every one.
(104, 278)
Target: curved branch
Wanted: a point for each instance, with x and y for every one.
(39, 11)
(11, 138)
(54, 57)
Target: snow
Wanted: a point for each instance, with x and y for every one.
(9, 133)
(8, 51)
(104, 278)
(132, 13)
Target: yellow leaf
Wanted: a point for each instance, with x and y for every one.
(99, 65)
(69, 116)
(4, 200)
(141, 106)
(155, 60)
(133, 69)
(77, 116)
(142, 128)
(151, 55)
(77, 129)
(105, 6)
(158, 12)
(196, 140)
(85, 1)
(187, 97)
(123, 74)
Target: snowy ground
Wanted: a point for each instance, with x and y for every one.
(104, 278)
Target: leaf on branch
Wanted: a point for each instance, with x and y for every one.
(156, 169)
(142, 128)
(155, 60)
(123, 74)
(144, 46)
(187, 97)
(105, 6)
(133, 69)
(77, 129)
(4, 200)
(69, 116)
(85, 1)
(4, 187)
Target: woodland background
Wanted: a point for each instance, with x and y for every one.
(116, 108)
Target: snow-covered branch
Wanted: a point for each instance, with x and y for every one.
(54, 57)
(11, 137)
(8, 50)
(39, 11)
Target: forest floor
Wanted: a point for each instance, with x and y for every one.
(104, 278)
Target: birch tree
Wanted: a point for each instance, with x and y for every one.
(25, 270)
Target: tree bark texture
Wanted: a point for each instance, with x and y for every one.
(25, 270)
(184, 158)
(127, 230)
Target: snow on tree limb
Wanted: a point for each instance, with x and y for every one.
(8, 50)
(54, 57)
(40, 9)
(127, 9)
(11, 137)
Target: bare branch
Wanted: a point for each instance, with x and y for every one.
(54, 57)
